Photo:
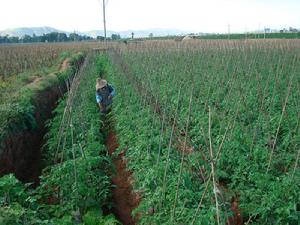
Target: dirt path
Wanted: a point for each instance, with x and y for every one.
(64, 65)
(35, 82)
(124, 198)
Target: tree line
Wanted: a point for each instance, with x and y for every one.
(53, 37)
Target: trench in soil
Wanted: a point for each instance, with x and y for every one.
(22, 156)
(21, 153)
(124, 199)
(22, 150)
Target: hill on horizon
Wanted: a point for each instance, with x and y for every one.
(22, 31)
(39, 31)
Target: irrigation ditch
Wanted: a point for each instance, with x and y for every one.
(123, 198)
(20, 152)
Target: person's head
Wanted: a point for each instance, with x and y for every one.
(100, 84)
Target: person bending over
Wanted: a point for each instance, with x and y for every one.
(104, 95)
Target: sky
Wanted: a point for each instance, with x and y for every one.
(216, 16)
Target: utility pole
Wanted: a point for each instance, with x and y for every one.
(104, 22)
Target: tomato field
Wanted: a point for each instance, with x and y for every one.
(200, 132)
(236, 104)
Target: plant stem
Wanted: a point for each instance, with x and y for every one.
(169, 151)
(182, 156)
(279, 124)
(296, 163)
(202, 197)
(213, 167)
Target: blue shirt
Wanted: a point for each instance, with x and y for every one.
(99, 97)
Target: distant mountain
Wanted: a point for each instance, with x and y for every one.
(38, 31)
(20, 32)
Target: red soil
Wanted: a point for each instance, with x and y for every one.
(236, 218)
(124, 198)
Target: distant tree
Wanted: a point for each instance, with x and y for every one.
(4, 39)
(151, 35)
(62, 37)
(100, 38)
(132, 35)
(86, 38)
(13, 39)
(34, 38)
(74, 37)
(115, 37)
(50, 37)
(26, 39)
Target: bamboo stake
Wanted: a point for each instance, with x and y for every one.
(213, 166)
(161, 137)
(182, 156)
(230, 126)
(279, 124)
(169, 151)
(202, 197)
(296, 163)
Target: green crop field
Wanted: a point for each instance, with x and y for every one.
(238, 105)
(200, 132)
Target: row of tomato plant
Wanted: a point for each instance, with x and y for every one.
(75, 183)
(245, 108)
(152, 154)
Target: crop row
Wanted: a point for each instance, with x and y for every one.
(244, 110)
(19, 58)
(75, 183)
(151, 154)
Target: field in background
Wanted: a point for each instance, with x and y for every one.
(24, 64)
(261, 35)
(18, 58)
